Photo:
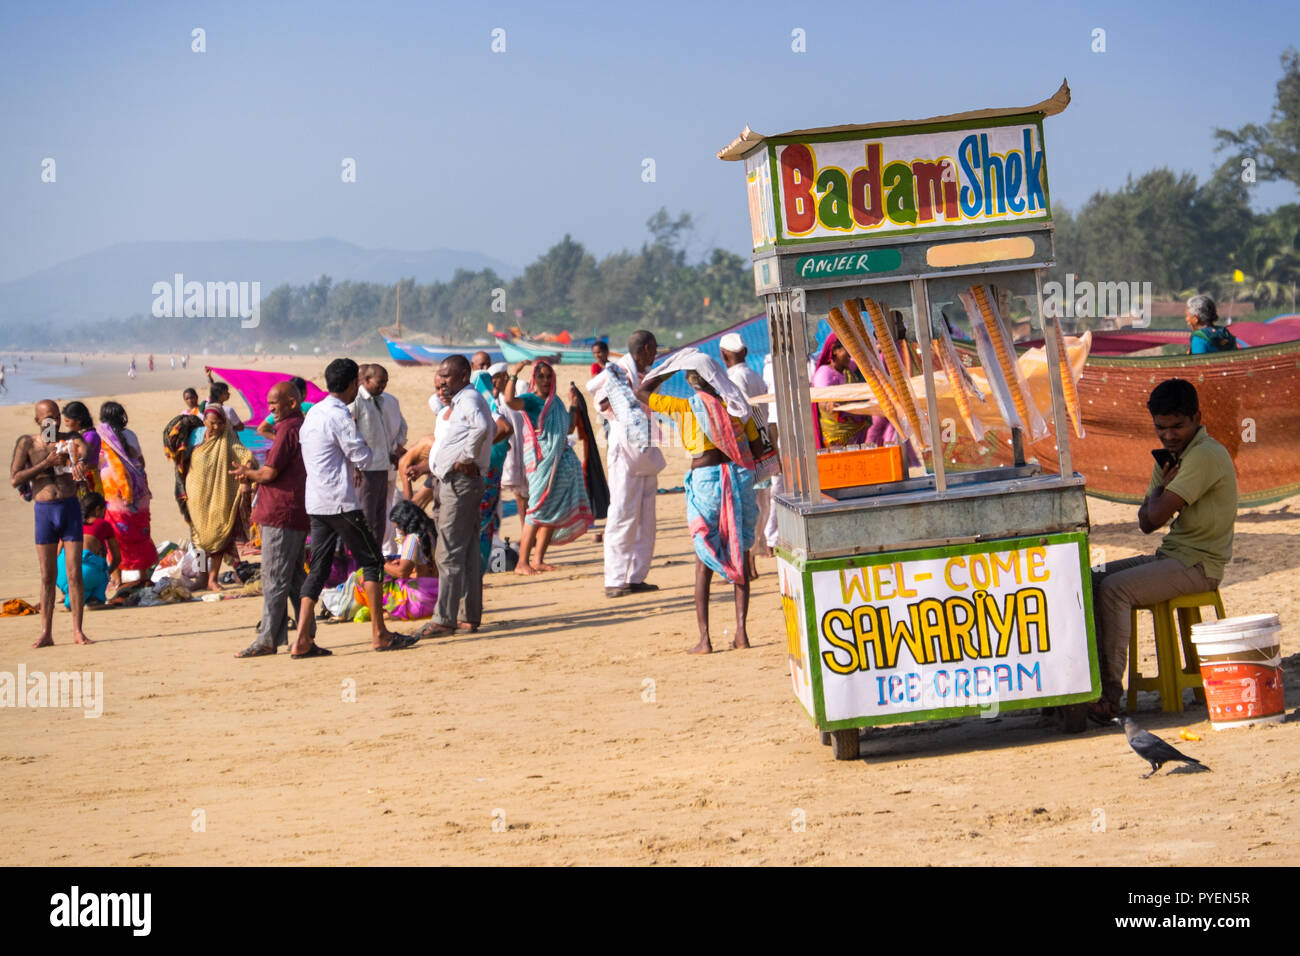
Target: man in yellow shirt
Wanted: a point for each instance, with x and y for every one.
(1197, 482)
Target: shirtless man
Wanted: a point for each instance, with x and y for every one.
(411, 466)
(54, 462)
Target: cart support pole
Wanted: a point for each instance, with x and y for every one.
(795, 302)
(921, 311)
(778, 328)
(1060, 419)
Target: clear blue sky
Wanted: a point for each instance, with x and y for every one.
(457, 147)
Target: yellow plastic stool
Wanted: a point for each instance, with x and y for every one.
(1173, 675)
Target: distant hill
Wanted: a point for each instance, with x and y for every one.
(116, 282)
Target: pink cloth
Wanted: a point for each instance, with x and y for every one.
(253, 387)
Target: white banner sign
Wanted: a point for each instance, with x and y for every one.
(951, 631)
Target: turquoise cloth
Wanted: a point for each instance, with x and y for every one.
(94, 577)
(489, 519)
(721, 513)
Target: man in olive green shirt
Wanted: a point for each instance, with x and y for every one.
(1197, 483)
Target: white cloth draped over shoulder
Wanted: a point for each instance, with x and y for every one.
(692, 359)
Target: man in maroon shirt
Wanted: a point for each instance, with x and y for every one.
(281, 513)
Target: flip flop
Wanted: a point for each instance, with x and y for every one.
(400, 642)
(316, 651)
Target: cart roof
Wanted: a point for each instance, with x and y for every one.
(748, 140)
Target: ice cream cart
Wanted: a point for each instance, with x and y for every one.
(951, 587)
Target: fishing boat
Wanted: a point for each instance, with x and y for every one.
(527, 350)
(406, 352)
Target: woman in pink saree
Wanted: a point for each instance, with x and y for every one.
(126, 489)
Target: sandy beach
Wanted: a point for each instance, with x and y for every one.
(573, 729)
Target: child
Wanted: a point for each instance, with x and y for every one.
(600, 352)
(98, 542)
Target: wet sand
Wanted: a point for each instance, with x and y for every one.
(573, 729)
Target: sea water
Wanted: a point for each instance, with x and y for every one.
(41, 378)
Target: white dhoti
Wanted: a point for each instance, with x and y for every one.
(630, 524)
(763, 498)
(513, 473)
(768, 522)
(394, 496)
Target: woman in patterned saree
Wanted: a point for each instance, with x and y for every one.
(489, 511)
(721, 510)
(217, 504)
(558, 510)
(126, 490)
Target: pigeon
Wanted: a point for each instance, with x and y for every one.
(1152, 749)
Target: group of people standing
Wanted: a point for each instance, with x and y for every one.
(341, 471)
(91, 499)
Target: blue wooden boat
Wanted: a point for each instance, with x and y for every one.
(404, 352)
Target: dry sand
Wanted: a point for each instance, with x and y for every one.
(539, 740)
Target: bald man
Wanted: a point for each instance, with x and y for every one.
(281, 513)
(479, 360)
(54, 462)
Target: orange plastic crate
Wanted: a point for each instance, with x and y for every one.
(863, 466)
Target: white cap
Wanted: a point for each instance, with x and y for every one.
(497, 369)
(732, 342)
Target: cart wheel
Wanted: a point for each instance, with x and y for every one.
(826, 734)
(844, 744)
(1074, 718)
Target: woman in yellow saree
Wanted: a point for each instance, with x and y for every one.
(218, 505)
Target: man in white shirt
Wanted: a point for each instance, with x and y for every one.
(630, 523)
(734, 355)
(382, 427)
(331, 448)
(479, 360)
(460, 458)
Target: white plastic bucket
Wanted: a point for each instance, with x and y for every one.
(1241, 660)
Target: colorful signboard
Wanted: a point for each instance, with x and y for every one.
(941, 632)
(758, 181)
(898, 182)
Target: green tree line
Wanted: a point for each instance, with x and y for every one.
(1162, 227)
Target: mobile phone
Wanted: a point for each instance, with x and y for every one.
(1164, 457)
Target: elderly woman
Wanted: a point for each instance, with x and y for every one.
(558, 510)
(219, 395)
(125, 489)
(1206, 336)
(721, 509)
(217, 501)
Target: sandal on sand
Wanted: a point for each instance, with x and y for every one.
(434, 630)
(256, 650)
(400, 642)
(316, 651)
